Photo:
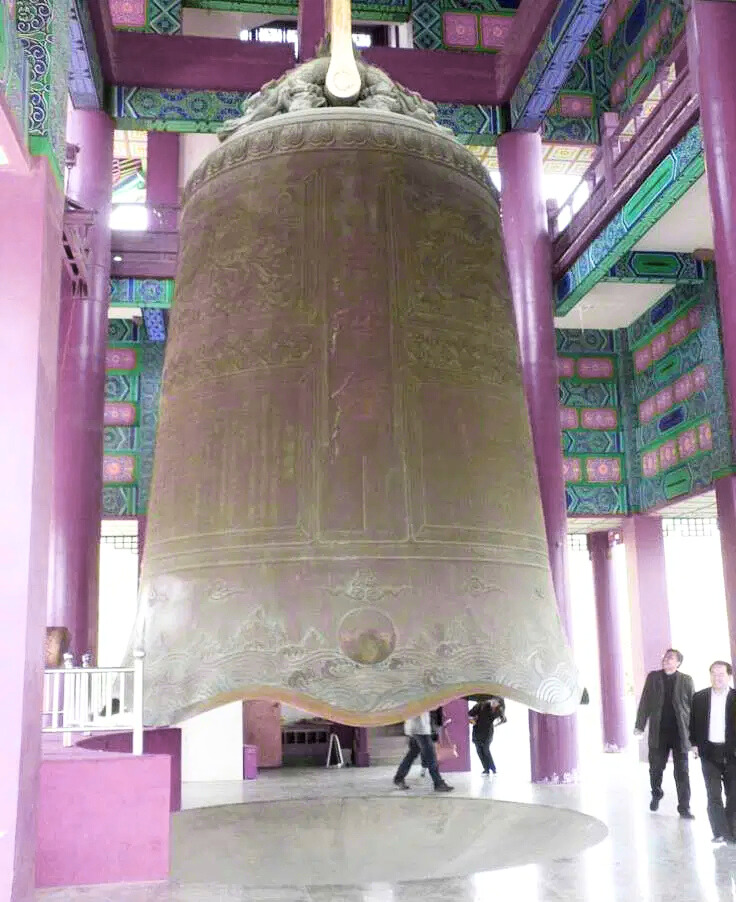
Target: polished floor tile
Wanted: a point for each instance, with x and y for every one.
(644, 858)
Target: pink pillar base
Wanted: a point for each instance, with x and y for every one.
(554, 753)
(262, 728)
(615, 734)
(459, 732)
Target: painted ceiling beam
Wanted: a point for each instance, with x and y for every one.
(86, 86)
(155, 323)
(671, 178)
(561, 45)
(186, 111)
(656, 267)
(141, 292)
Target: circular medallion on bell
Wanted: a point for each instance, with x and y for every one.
(366, 636)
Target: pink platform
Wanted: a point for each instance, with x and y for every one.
(156, 741)
(103, 817)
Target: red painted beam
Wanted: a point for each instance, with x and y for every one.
(529, 24)
(200, 63)
(197, 63)
(441, 75)
(99, 11)
(219, 64)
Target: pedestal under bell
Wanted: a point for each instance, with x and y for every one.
(344, 513)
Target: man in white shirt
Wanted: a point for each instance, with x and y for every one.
(419, 731)
(713, 736)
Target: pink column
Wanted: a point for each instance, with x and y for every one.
(615, 737)
(262, 728)
(726, 503)
(311, 26)
(30, 274)
(647, 579)
(713, 42)
(74, 580)
(528, 253)
(162, 180)
(456, 712)
(142, 524)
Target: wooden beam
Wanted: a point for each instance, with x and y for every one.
(205, 64)
(529, 24)
(221, 64)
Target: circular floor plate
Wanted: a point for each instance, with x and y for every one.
(323, 842)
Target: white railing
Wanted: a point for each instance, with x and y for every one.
(94, 700)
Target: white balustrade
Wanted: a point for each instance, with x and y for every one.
(94, 700)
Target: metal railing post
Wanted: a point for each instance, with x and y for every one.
(68, 685)
(138, 702)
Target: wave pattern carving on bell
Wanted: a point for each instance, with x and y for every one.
(344, 513)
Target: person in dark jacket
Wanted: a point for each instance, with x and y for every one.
(665, 703)
(484, 717)
(713, 735)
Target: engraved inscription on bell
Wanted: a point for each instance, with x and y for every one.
(344, 512)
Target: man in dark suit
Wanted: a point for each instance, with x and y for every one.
(713, 734)
(665, 703)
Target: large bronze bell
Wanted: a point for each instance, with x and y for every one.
(345, 513)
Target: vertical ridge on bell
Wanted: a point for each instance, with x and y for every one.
(344, 512)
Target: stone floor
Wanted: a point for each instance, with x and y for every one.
(644, 856)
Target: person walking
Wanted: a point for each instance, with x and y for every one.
(419, 732)
(665, 703)
(484, 717)
(435, 721)
(713, 736)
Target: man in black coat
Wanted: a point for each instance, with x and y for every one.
(713, 734)
(484, 716)
(665, 703)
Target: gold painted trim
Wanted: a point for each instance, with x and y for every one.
(318, 708)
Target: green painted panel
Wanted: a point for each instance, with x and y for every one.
(652, 187)
(677, 482)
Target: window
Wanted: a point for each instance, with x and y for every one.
(286, 33)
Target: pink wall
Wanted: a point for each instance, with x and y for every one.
(262, 728)
(30, 264)
(156, 741)
(102, 818)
